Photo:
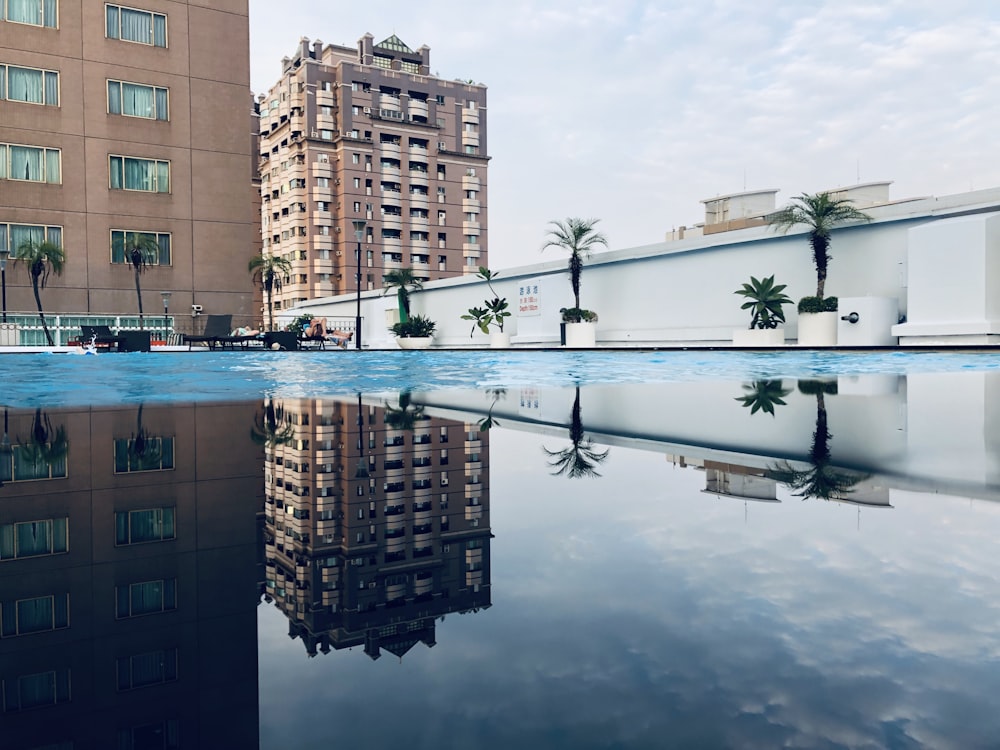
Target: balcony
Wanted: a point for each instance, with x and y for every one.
(390, 148)
(419, 108)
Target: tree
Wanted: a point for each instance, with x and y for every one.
(405, 283)
(41, 258)
(405, 417)
(820, 213)
(268, 271)
(141, 250)
(580, 459)
(821, 480)
(579, 238)
(45, 448)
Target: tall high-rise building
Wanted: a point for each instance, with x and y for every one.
(118, 119)
(370, 135)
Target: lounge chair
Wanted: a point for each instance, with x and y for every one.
(218, 332)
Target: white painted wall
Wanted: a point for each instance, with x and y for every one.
(681, 293)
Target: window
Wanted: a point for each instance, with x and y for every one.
(132, 25)
(34, 538)
(29, 85)
(162, 734)
(137, 100)
(144, 454)
(161, 257)
(323, 182)
(148, 175)
(34, 12)
(31, 163)
(146, 598)
(38, 615)
(355, 158)
(142, 670)
(36, 690)
(140, 526)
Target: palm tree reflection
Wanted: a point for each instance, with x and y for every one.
(488, 421)
(821, 480)
(46, 449)
(763, 395)
(405, 416)
(272, 427)
(581, 458)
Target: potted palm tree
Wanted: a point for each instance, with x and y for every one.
(819, 213)
(405, 282)
(764, 301)
(41, 258)
(580, 459)
(579, 238)
(268, 271)
(416, 332)
(493, 313)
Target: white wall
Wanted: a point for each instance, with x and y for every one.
(682, 293)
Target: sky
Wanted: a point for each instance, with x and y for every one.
(633, 112)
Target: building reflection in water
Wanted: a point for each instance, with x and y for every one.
(128, 578)
(376, 522)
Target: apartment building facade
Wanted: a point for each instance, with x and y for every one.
(370, 163)
(118, 119)
(376, 522)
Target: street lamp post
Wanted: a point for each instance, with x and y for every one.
(359, 230)
(166, 306)
(4, 255)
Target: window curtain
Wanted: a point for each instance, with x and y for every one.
(111, 22)
(163, 240)
(117, 173)
(34, 615)
(138, 174)
(160, 30)
(34, 538)
(135, 26)
(121, 528)
(25, 11)
(53, 166)
(60, 535)
(3, 162)
(162, 177)
(3, 82)
(52, 89)
(51, 12)
(5, 473)
(145, 525)
(22, 234)
(137, 100)
(26, 163)
(25, 85)
(146, 597)
(161, 105)
(54, 235)
(7, 542)
(36, 690)
(114, 98)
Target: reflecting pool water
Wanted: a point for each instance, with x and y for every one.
(777, 556)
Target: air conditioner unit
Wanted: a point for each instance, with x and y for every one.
(442, 145)
(372, 585)
(447, 548)
(337, 230)
(367, 110)
(315, 134)
(339, 253)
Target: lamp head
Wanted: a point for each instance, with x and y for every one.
(359, 228)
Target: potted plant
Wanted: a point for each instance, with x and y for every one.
(492, 314)
(764, 301)
(414, 333)
(819, 213)
(579, 238)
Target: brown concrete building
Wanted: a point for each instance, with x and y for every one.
(116, 119)
(376, 522)
(370, 135)
(128, 579)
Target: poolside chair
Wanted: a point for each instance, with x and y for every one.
(217, 328)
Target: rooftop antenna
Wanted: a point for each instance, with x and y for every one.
(859, 170)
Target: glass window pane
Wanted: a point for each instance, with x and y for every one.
(34, 538)
(160, 30)
(7, 542)
(34, 615)
(111, 22)
(145, 526)
(161, 104)
(4, 157)
(53, 166)
(60, 535)
(114, 97)
(37, 690)
(26, 163)
(136, 26)
(52, 89)
(24, 11)
(164, 260)
(25, 85)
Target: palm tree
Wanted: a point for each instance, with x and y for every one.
(821, 480)
(405, 283)
(41, 258)
(820, 213)
(579, 238)
(141, 250)
(268, 271)
(580, 459)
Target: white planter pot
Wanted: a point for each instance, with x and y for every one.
(818, 329)
(758, 337)
(414, 342)
(499, 340)
(581, 335)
